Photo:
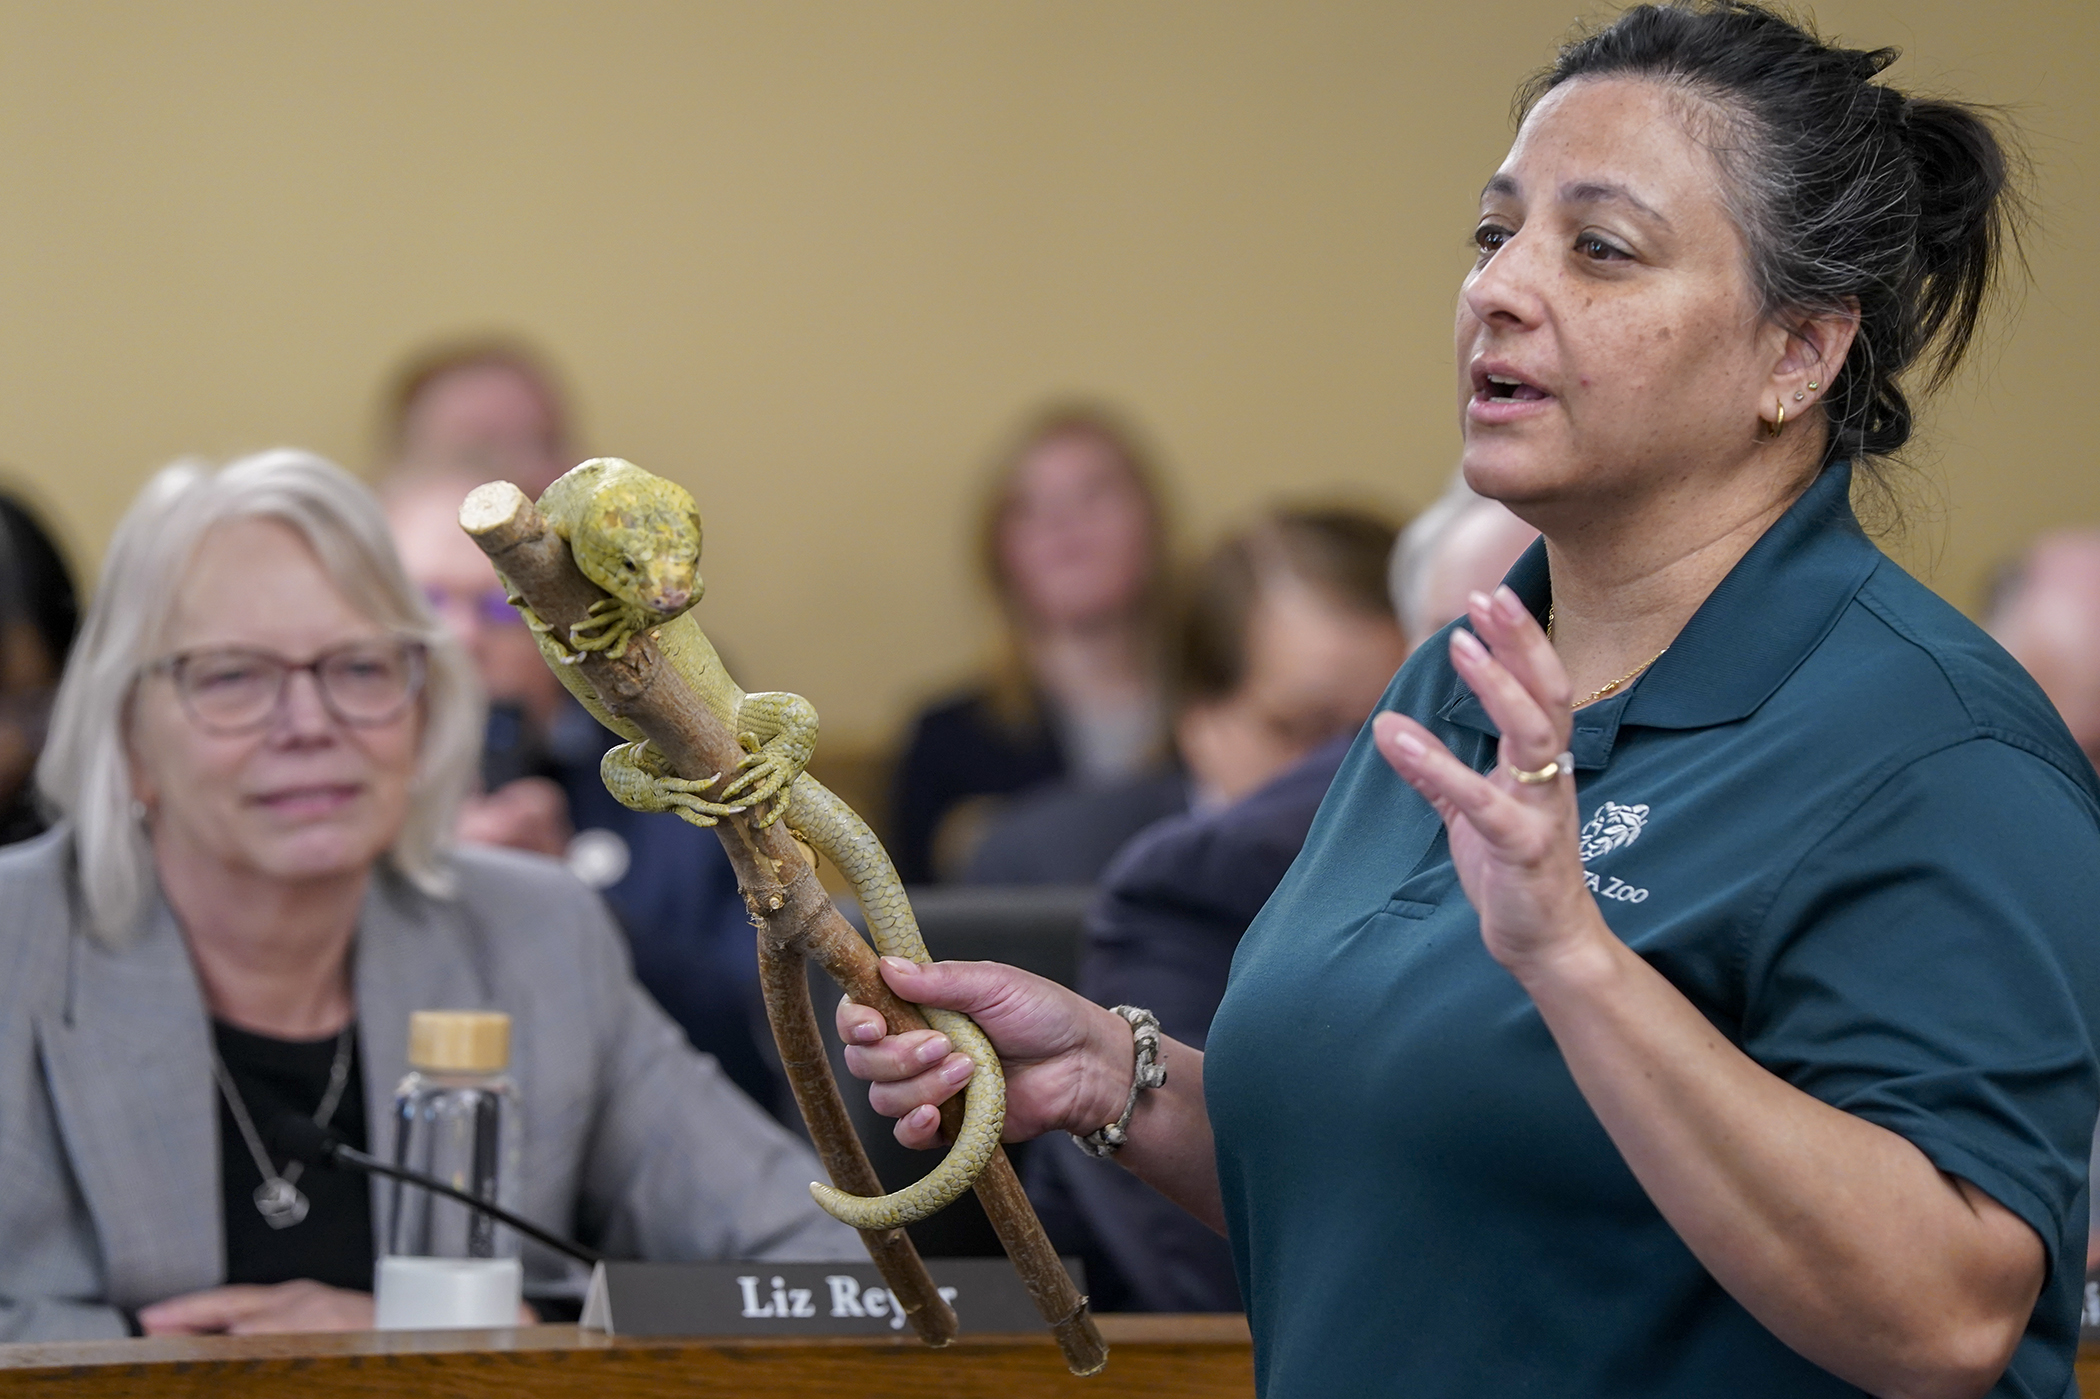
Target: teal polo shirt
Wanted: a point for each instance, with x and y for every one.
(1842, 822)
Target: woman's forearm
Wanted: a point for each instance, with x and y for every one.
(1170, 1146)
(1840, 1236)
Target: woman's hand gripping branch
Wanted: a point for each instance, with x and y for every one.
(1068, 1066)
(1839, 1235)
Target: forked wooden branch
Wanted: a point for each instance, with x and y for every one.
(796, 919)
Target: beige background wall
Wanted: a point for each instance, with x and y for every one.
(812, 259)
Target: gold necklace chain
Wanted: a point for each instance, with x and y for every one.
(1602, 690)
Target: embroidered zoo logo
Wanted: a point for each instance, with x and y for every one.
(1614, 825)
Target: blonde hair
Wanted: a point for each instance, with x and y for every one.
(85, 772)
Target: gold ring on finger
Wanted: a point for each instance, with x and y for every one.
(1535, 777)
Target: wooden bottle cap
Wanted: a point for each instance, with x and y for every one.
(459, 1041)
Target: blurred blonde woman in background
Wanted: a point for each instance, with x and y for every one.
(258, 750)
(1074, 549)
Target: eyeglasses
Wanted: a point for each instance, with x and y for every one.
(228, 690)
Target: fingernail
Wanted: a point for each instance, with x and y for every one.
(1409, 745)
(1512, 606)
(1479, 601)
(866, 1034)
(924, 1116)
(899, 964)
(935, 1050)
(959, 1071)
(1467, 644)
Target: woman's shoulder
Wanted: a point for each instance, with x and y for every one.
(36, 879)
(965, 715)
(963, 738)
(1914, 652)
(513, 922)
(960, 704)
(520, 888)
(35, 874)
(44, 858)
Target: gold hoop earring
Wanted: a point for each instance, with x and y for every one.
(1774, 429)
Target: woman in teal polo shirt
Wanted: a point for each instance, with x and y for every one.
(1686, 988)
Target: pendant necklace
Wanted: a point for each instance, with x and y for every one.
(278, 1199)
(1602, 690)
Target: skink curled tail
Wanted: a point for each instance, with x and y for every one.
(984, 1116)
(842, 837)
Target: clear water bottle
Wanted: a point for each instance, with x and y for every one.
(443, 1263)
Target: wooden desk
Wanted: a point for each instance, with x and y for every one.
(1204, 1357)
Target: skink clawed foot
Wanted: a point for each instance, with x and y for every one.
(611, 626)
(634, 774)
(763, 777)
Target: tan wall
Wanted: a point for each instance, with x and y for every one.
(812, 259)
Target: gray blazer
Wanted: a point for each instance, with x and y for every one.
(109, 1138)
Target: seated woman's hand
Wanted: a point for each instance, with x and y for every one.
(248, 1310)
(1068, 1061)
(253, 1311)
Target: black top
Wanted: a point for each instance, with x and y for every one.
(333, 1244)
(961, 749)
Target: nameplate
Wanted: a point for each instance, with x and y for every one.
(797, 1299)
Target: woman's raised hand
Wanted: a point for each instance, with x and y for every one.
(1513, 843)
(1068, 1061)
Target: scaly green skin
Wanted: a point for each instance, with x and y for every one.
(638, 537)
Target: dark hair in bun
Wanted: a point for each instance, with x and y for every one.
(1846, 191)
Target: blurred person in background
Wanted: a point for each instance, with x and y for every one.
(491, 406)
(1074, 549)
(39, 613)
(1285, 639)
(256, 750)
(1463, 544)
(668, 882)
(516, 804)
(1288, 641)
(2045, 610)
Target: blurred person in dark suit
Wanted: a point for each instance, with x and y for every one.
(1176, 901)
(1073, 547)
(671, 887)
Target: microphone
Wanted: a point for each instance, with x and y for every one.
(303, 1139)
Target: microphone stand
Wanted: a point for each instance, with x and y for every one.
(308, 1142)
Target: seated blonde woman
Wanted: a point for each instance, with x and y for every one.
(259, 745)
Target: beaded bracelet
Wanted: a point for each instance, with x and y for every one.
(1151, 1072)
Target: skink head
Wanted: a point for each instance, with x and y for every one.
(643, 543)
